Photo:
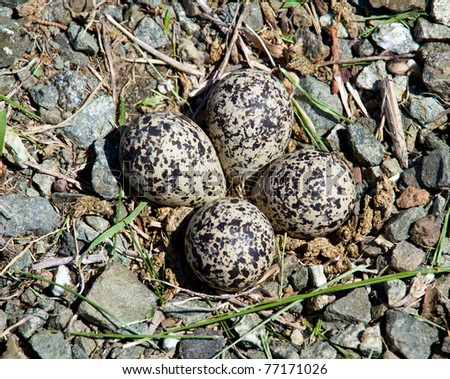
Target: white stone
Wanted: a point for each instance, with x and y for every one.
(440, 11)
(15, 150)
(395, 37)
(370, 76)
(317, 275)
(62, 277)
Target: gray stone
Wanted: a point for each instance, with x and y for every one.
(15, 151)
(133, 352)
(440, 11)
(85, 232)
(349, 337)
(45, 182)
(186, 23)
(322, 121)
(436, 73)
(318, 350)
(354, 307)
(435, 171)
(243, 327)
(6, 12)
(20, 215)
(37, 319)
(409, 336)
(426, 31)
(426, 49)
(317, 303)
(345, 50)
(3, 320)
(363, 48)
(95, 121)
(391, 167)
(368, 151)
(397, 228)
(50, 345)
(97, 222)
(283, 350)
(253, 17)
(399, 5)
(66, 52)
(445, 347)
(13, 349)
(395, 290)
(371, 249)
(188, 310)
(298, 278)
(442, 283)
(371, 342)
(370, 76)
(432, 141)
(71, 86)
(395, 37)
(106, 170)
(327, 20)
(317, 275)
(406, 257)
(119, 291)
(12, 44)
(202, 348)
(81, 40)
(151, 33)
(44, 96)
(427, 108)
(50, 116)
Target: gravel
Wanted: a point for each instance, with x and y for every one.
(61, 184)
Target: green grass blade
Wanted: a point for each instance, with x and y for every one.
(2, 130)
(116, 228)
(440, 245)
(20, 108)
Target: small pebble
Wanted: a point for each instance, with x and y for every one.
(406, 257)
(412, 197)
(426, 231)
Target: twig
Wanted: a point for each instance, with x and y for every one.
(112, 72)
(8, 330)
(53, 173)
(55, 262)
(365, 59)
(394, 121)
(357, 99)
(172, 62)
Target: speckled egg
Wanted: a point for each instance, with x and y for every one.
(249, 120)
(306, 193)
(229, 244)
(168, 159)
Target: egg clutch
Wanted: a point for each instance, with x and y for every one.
(230, 242)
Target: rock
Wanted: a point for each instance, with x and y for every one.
(44, 96)
(298, 278)
(432, 141)
(62, 277)
(119, 291)
(133, 352)
(412, 197)
(50, 345)
(391, 167)
(395, 37)
(426, 49)
(186, 23)
(12, 44)
(3, 320)
(435, 171)
(395, 291)
(13, 349)
(20, 215)
(253, 17)
(202, 348)
(37, 319)
(50, 116)
(95, 121)
(283, 350)
(409, 336)
(327, 20)
(440, 11)
(397, 228)
(436, 73)
(317, 303)
(363, 48)
(106, 170)
(81, 40)
(442, 283)
(15, 151)
(349, 337)
(322, 121)
(371, 75)
(45, 182)
(71, 86)
(371, 342)
(62, 45)
(445, 347)
(151, 33)
(371, 249)
(399, 5)
(188, 310)
(354, 307)
(426, 31)
(243, 327)
(98, 223)
(318, 350)
(389, 355)
(426, 231)
(424, 109)
(406, 257)
(317, 275)
(367, 150)
(297, 337)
